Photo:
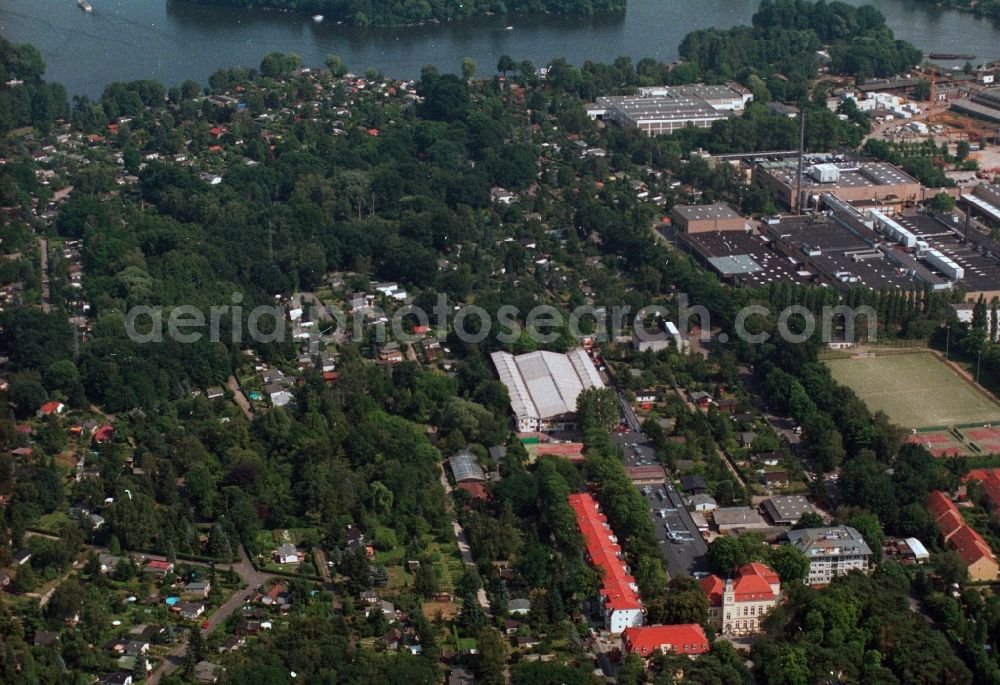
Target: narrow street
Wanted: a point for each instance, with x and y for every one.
(251, 577)
(174, 659)
(324, 312)
(324, 568)
(240, 397)
(43, 249)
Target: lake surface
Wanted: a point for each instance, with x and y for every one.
(172, 40)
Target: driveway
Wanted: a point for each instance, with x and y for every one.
(464, 550)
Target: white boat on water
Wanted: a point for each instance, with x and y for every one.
(85, 6)
(318, 18)
(509, 28)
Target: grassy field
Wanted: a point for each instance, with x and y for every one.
(915, 390)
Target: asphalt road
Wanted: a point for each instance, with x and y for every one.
(686, 553)
(249, 575)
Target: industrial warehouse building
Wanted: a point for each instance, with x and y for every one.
(666, 109)
(736, 519)
(786, 510)
(544, 386)
(984, 200)
(985, 105)
(877, 182)
(704, 218)
(741, 258)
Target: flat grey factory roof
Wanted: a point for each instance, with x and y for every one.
(981, 272)
(816, 233)
(700, 90)
(872, 86)
(977, 109)
(734, 253)
(924, 226)
(874, 274)
(852, 175)
(735, 264)
(719, 210)
(787, 507)
(659, 108)
(737, 516)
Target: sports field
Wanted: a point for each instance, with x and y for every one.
(916, 390)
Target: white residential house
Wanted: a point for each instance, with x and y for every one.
(702, 502)
(286, 554)
(831, 552)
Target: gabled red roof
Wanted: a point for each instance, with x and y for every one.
(752, 582)
(685, 638)
(949, 523)
(617, 585)
(50, 407)
(104, 433)
(970, 545)
(713, 586)
(752, 587)
(756, 568)
(159, 565)
(475, 490)
(938, 504)
(990, 479)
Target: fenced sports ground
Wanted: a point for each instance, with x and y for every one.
(919, 390)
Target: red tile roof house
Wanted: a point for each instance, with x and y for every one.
(477, 491)
(975, 552)
(619, 591)
(684, 638)
(277, 596)
(104, 433)
(990, 481)
(50, 408)
(160, 568)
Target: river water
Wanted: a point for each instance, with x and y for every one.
(171, 40)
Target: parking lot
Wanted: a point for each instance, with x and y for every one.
(680, 542)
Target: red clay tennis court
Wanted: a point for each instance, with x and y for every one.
(984, 434)
(929, 438)
(939, 443)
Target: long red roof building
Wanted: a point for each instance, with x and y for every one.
(683, 638)
(959, 536)
(622, 607)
